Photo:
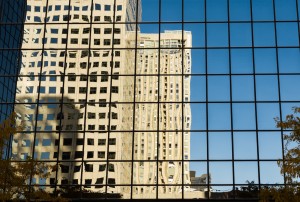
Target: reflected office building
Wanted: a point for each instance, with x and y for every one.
(96, 103)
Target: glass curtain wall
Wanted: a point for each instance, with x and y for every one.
(155, 99)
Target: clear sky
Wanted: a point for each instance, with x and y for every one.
(243, 62)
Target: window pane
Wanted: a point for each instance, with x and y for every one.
(262, 10)
(264, 34)
(217, 35)
(194, 10)
(219, 117)
(287, 34)
(240, 34)
(245, 145)
(289, 60)
(242, 88)
(216, 10)
(286, 9)
(241, 61)
(239, 10)
(219, 66)
(288, 89)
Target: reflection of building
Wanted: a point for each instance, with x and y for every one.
(75, 97)
(165, 116)
(75, 119)
(199, 183)
(12, 15)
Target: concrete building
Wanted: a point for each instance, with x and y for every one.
(84, 110)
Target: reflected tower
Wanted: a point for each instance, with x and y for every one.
(68, 92)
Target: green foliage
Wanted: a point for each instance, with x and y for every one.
(290, 167)
(14, 176)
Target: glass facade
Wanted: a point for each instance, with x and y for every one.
(154, 99)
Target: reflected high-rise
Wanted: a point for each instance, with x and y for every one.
(99, 107)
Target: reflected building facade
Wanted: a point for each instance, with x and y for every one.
(83, 109)
(161, 54)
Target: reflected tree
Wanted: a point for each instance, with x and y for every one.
(15, 175)
(290, 166)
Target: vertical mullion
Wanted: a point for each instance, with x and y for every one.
(206, 102)
(278, 85)
(110, 95)
(62, 99)
(230, 91)
(158, 98)
(38, 97)
(86, 96)
(134, 98)
(255, 100)
(182, 98)
(298, 23)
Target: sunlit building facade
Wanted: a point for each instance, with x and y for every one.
(167, 144)
(73, 74)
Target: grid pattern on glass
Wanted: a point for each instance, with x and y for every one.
(155, 98)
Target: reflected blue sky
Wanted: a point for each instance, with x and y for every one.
(264, 60)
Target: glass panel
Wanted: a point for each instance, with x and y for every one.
(286, 9)
(217, 34)
(198, 114)
(152, 11)
(241, 61)
(287, 84)
(262, 10)
(198, 89)
(194, 10)
(266, 88)
(240, 35)
(221, 172)
(199, 181)
(216, 10)
(198, 146)
(220, 146)
(287, 34)
(264, 34)
(266, 112)
(268, 151)
(243, 116)
(197, 29)
(199, 64)
(218, 88)
(265, 60)
(239, 10)
(245, 172)
(270, 173)
(219, 66)
(245, 145)
(289, 60)
(242, 88)
(219, 117)
(171, 10)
